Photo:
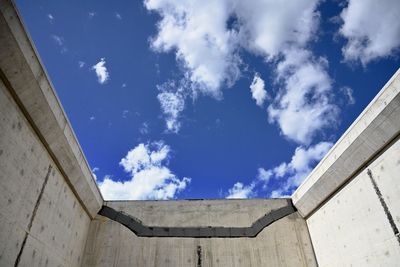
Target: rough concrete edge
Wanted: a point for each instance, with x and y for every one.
(325, 165)
(80, 158)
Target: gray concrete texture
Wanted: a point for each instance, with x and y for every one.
(352, 228)
(284, 243)
(348, 207)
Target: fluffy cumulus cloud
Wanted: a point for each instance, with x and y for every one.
(208, 36)
(101, 71)
(304, 105)
(295, 171)
(150, 178)
(372, 29)
(283, 179)
(240, 191)
(257, 88)
(196, 31)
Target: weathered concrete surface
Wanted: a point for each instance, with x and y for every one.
(29, 82)
(47, 193)
(352, 229)
(283, 243)
(378, 124)
(36, 204)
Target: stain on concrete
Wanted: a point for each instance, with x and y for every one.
(199, 259)
(384, 206)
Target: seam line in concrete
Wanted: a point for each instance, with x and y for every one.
(17, 260)
(384, 206)
(141, 230)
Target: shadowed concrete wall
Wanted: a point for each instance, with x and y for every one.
(284, 243)
(352, 198)
(47, 193)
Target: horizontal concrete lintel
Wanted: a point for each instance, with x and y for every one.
(142, 230)
(376, 127)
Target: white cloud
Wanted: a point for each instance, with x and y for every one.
(257, 88)
(125, 113)
(92, 118)
(123, 85)
(298, 168)
(58, 39)
(372, 29)
(144, 129)
(81, 64)
(50, 17)
(208, 48)
(207, 37)
(101, 71)
(172, 104)
(348, 92)
(240, 191)
(264, 175)
(94, 170)
(150, 178)
(196, 31)
(91, 14)
(304, 105)
(282, 179)
(118, 16)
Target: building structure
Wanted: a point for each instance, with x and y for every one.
(346, 213)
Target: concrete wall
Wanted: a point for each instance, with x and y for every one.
(352, 227)
(351, 200)
(283, 243)
(47, 193)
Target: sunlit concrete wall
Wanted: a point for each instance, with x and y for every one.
(286, 242)
(47, 193)
(351, 200)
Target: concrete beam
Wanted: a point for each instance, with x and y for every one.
(25, 77)
(371, 132)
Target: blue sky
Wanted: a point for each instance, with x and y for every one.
(212, 99)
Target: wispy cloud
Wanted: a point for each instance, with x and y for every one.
(81, 64)
(172, 104)
(50, 17)
(348, 92)
(101, 71)
(59, 40)
(125, 113)
(118, 16)
(144, 129)
(91, 14)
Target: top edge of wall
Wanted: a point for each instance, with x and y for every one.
(371, 132)
(32, 89)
